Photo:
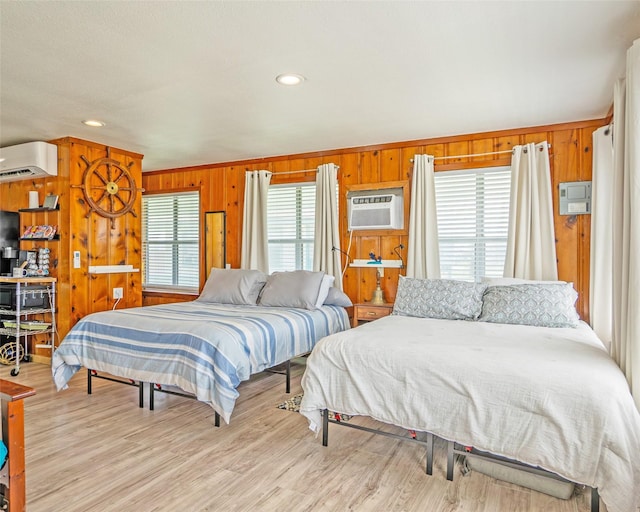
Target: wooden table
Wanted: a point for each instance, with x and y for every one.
(11, 396)
(366, 312)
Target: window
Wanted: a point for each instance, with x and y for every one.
(291, 223)
(170, 247)
(473, 220)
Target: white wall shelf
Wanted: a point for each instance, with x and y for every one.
(112, 269)
(376, 264)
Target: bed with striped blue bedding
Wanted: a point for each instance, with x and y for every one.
(204, 349)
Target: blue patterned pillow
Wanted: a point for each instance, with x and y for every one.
(542, 305)
(438, 298)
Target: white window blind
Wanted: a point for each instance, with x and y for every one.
(170, 241)
(291, 223)
(473, 221)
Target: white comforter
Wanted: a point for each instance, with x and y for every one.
(547, 397)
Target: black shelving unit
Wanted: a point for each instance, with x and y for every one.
(39, 209)
(52, 239)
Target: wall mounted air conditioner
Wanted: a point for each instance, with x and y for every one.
(379, 210)
(29, 160)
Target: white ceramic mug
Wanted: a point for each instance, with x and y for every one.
(19, 272)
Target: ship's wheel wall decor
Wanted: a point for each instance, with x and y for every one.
(109, 188)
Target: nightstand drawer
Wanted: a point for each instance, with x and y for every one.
(369, 312)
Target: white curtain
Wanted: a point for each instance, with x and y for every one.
(255, 247)
(625, 347)
(601, 271)
(423, 253)
(327, 229)
(531, 249)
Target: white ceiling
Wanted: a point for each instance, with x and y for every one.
(188, 83)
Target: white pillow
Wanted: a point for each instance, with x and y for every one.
(325, 286)
(233, 286)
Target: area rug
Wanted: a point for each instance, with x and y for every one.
(293, 404)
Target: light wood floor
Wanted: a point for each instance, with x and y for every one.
(100, 452)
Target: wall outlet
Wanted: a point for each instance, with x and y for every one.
(117, 293)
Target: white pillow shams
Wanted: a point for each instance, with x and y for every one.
(438, 298)
(540, 304)
(233, 286)
(325, 286)
(295, 289)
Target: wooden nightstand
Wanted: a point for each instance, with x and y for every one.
(366, 312)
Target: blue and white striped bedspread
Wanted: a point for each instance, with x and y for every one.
(205, 349)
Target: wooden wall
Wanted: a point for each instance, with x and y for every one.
(222, 188)
(81, 293)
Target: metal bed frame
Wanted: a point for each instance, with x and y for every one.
(153, 388)
(93, 374)
(428, 444)
(453, 449)
(157, 388)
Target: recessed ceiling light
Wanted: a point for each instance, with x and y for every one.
(93, 123)
(290, 79)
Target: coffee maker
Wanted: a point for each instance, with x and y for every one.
(11, 258)
(9, 242)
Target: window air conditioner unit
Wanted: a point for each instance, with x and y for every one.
(29, 160)
(376, 211)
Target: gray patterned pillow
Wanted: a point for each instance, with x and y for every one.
(438, 298)
(542, 305)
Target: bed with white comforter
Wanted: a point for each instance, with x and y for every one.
(548, 397)
(205, 349)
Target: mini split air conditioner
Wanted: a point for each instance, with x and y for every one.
(376, 211)
(29, 160)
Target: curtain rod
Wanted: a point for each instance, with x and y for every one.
(295, 172)
(477, 154)
(473, 155)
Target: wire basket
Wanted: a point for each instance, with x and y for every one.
(8, 353)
